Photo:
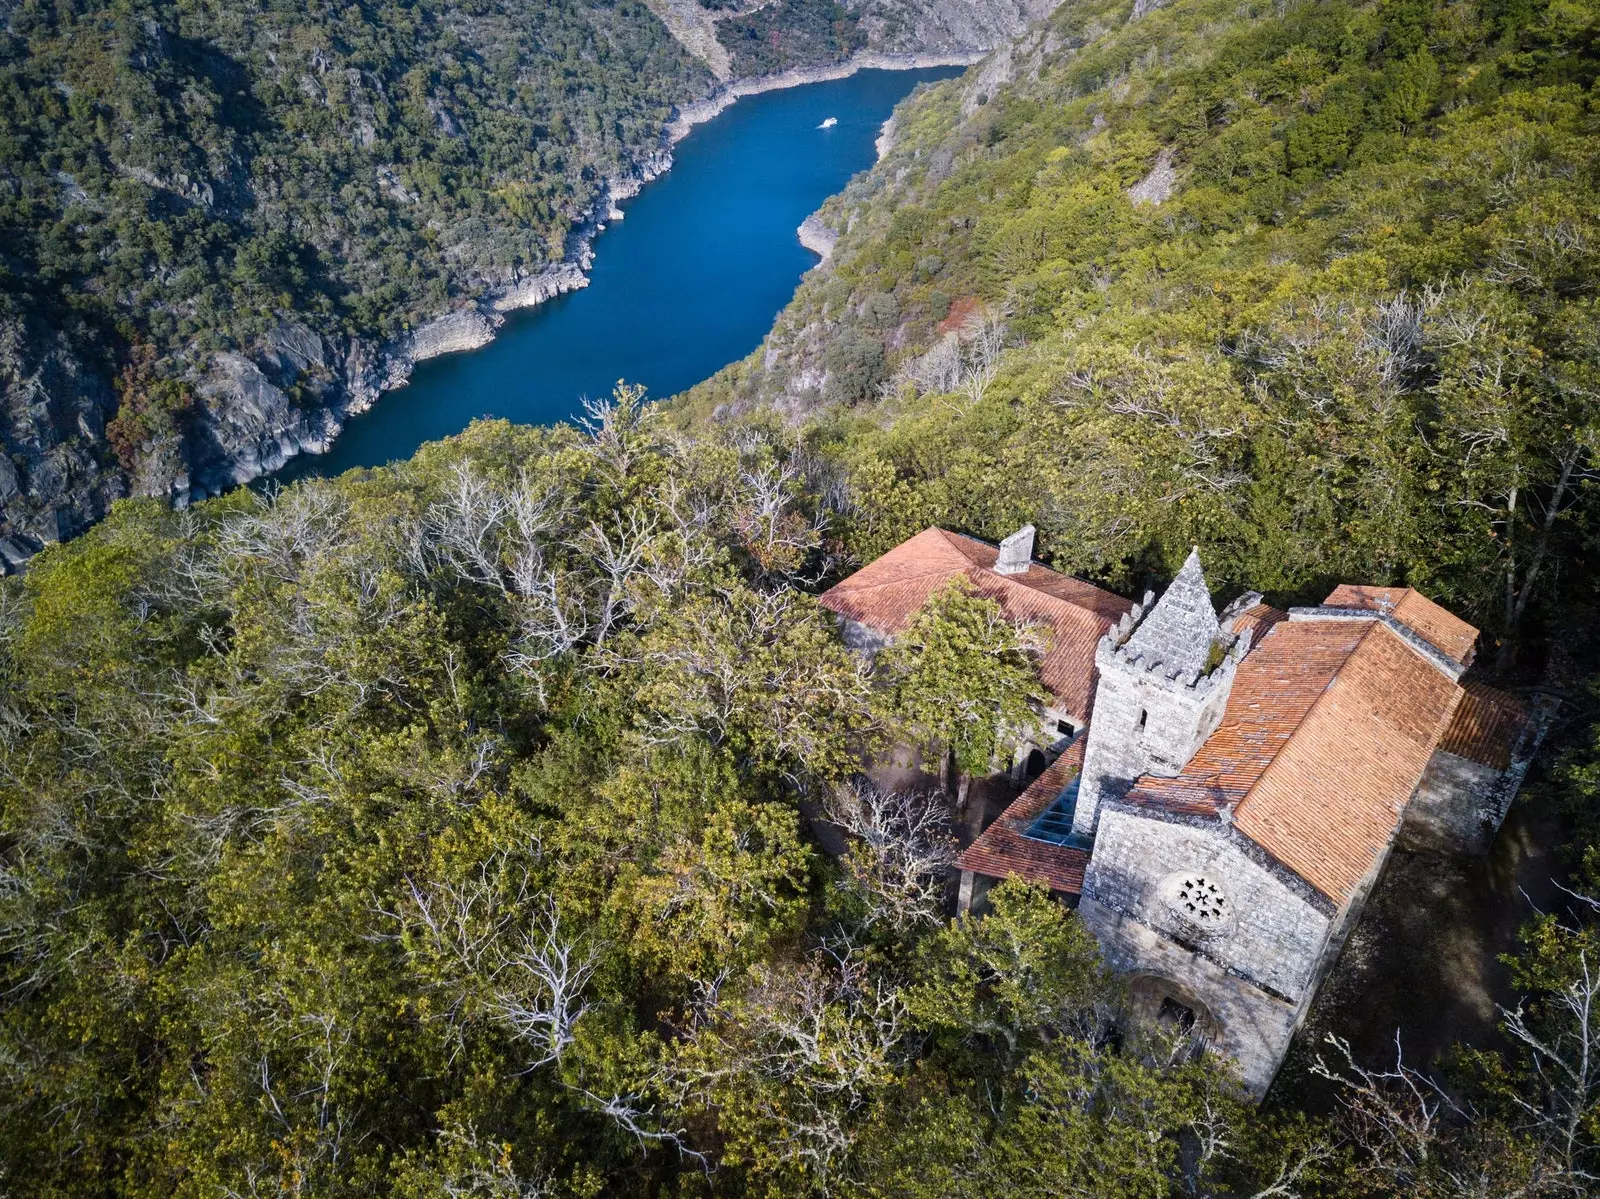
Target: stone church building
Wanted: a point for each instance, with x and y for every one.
(1217, 793)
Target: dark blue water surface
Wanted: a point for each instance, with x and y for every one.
(688, 283)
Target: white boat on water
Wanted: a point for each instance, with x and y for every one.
(829, 123)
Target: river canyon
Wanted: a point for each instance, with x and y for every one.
(687, 282)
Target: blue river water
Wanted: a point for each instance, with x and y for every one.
(690, 281)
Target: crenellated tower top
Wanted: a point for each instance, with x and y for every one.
(1165, 672)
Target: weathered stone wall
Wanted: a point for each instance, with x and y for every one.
(1244, 1022)
(1454, 809)
(1274, 934)
(1144, 723)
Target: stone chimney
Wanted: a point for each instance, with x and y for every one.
(1016, 552)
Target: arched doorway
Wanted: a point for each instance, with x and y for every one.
(1168, 1007)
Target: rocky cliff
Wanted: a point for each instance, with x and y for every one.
(946, 26)
(294, 392)
(289, 390)
(57, 475)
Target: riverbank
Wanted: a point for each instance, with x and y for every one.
(450, 333)
(690, 281)
(250, 427)
(698, 112)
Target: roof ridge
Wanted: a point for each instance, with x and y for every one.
(1449, 715)
(1300, 724)
(1079, 611)
(1315, 706)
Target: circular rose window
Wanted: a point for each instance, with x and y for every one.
(1199, 899)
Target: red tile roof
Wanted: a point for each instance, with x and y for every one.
(1329, 804)
(1276, 685)
(1486, 727)
(1258, 620)
(1003, 852)
(1445, 630)
(886, 593)
(1328, 728)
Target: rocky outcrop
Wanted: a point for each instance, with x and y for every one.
(293, 394)
(1156, 187)
(818, 237)
(56, 475)
(469, 329)
(893, 29)
(888, 138)
(536, 289)
(247, 425)
(946, 26)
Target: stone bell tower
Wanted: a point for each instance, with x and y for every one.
(1165, 674)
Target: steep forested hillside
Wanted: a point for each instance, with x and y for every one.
(446, 829)
(216, 219)
(291, 181)
(1314, 289)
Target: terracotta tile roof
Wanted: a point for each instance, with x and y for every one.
(1328, 728)
(1259, 619)
(1003, 852)
(886, 593)
(1445, 630)
(1486, 727)
(1328, 805)
(1276, 685)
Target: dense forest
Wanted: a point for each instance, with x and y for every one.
(442, 830)
(1316, 291)
(450, 828)
(178, 179)
(193, 170)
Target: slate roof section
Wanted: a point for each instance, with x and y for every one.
(1328, 728)
(885, 594)
(1446, 631)
(1177, 635)
(1486, 728)
(1002, 851)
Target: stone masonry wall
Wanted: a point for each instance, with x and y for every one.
(1254, 1029)
(1453, 810)
(1274, 936)
(1177, 719)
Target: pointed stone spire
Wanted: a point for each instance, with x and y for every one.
(1181, 629)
